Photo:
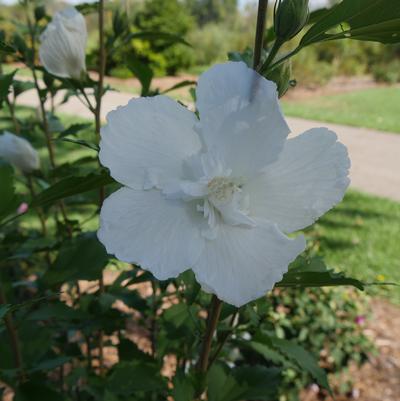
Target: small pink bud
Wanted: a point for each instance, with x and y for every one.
(22, 208)
(360, 320)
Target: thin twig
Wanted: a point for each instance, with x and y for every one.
(11, 108)
(40, 213)
(260, 29)
(271, 56)
(153, 322)
(101, 332)
(12, 332)
(212, 322)
(45, 124)
(224, 338)
(99, 96)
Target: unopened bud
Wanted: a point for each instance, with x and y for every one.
(290, 17)
(19, 152)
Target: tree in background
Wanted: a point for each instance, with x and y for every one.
(172, 17)
(206, 11)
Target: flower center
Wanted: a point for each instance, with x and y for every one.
(221, 190)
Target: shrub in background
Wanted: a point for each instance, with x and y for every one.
(328, 322)
(166, 16)
(387, 73)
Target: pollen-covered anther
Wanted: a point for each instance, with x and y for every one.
(221, 189)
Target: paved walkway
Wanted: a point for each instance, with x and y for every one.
(375, 155)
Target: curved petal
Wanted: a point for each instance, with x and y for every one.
(158, 234)
(242, 264)
(310, 177)
(148, 139)
(63, 44)
(240, 117)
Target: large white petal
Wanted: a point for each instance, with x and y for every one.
(310, 177)
(240, 117)
(158, 234)
(63, 44)
(242, 264)
(149, 138)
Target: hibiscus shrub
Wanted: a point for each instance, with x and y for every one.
(215, 191)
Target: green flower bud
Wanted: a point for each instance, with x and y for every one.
(290, 17)
(281, 75)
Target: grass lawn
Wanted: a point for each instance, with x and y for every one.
(361, 237)
(376, 108)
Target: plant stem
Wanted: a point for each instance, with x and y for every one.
(45, 124)
(12, 332)
(97, 114)
(101, 332)
(38, 210)
(275, 48)
(41, 215)
(260, 29)
(212, 321)
(153, 323)
(284, 58)
(102, 67)
(224, 339)
(11, 108)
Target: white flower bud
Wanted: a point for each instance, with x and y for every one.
(19, 152)
(63, 44)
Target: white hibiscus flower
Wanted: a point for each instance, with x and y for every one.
(63, 44)
(217, 195)
(19, 152)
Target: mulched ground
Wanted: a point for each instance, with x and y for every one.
(379, 378)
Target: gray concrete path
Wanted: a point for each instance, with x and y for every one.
(375, 156)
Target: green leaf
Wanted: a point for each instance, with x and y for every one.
(179, 85)
(6, 48)
(81, 142)
(22, 86)
(50, 364)
(129, 377)
(87, 8)
(81, 258)
(6, 81)
(177, 314)
(143, 73)
(58, 310)
(303, 359)
(37, 391)
(266, 349)
(71, 186)
(164, 36)
(184, 388)
(371, 20)
(4, 309)
(74, 129)
(129, 351)
(222, 386)
(288, 353)
(314, 273)
(8, 199)
(258, 382)
(243, 383)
